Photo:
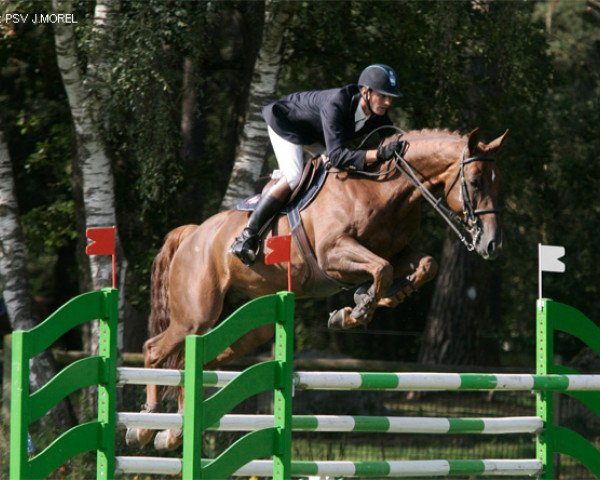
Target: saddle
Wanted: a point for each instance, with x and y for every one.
(311, 182)
(313, 178)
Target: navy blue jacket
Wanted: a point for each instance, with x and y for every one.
(326, 117)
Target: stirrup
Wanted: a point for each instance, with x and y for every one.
(242, 247)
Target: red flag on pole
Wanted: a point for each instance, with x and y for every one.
(103, 243)
(281, 251)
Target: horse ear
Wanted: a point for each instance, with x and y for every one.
(495, 144)
(473, 140)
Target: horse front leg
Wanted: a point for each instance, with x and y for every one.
(351, 262)
(412, 270)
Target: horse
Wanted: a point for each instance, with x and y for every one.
(359, 228)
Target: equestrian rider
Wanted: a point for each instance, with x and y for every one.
(313, 119)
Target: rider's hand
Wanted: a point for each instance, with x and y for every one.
(385, 152)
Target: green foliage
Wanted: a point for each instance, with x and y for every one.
(571, 179)
(140, 104)
(461, 65)
(36, 121)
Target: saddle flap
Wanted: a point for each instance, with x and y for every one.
(313, 178)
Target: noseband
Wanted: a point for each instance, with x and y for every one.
(470, 222)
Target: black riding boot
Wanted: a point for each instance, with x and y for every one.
(246, 245)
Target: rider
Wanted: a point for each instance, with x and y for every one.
(317, 118)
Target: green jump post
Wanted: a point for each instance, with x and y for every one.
(284, 356)
(107, 389)
(544, 363)
(556, 439)
(273, 375)
(26, 407)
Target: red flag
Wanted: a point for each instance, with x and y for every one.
(103, 241)
(280, 249)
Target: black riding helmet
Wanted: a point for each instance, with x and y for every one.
(380, 78)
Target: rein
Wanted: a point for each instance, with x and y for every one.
(471, 226)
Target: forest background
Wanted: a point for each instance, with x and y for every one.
(146, 115)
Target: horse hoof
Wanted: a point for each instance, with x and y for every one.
(362, 295)
(167, 440)
(337, 319)
(138, 437)
(360, 312)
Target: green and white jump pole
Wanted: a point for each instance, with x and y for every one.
(270, 435)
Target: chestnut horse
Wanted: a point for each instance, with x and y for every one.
(359, 227)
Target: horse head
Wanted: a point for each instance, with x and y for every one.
(473, 194)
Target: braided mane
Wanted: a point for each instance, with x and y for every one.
(434, 133)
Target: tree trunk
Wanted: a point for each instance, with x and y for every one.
(461, 308)
(96, 169)
(17, 293)
(254, 140)
(98, 68)
(189, 102)
(92, 158)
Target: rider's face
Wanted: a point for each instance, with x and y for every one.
(380, 103)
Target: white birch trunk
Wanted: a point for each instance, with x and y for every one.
(254, 141)
(96, 168)
(16, 289)
(98, 183)
(98, 68)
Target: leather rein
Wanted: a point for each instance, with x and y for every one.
(469, 222)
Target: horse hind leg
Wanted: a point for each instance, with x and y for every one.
(156, 350)
(173, 438)
(140, 437)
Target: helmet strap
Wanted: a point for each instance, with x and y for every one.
(367, 100)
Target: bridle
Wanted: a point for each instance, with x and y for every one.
(470, 221)
(468, 228)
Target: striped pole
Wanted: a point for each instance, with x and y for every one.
(397, 469)
(383, 381)
(345, 423)
(169, 377)
(443, 381)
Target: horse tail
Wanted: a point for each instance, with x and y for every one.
(159, 283)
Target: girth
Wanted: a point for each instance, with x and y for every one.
(315, 281)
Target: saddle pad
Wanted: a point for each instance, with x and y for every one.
(301, 200)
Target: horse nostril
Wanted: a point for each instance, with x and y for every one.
(494, 247)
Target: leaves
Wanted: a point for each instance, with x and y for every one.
(460, 65)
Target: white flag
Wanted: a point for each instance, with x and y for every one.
(549, 258)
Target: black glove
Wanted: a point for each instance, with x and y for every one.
(385, 152)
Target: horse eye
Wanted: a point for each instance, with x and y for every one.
(475, 183)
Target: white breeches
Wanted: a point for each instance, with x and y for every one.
(290, 157)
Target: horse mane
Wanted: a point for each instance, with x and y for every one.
(434, 134)
(430, 141)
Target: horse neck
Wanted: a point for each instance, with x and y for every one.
(434, 163)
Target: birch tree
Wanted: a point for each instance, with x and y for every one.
(93, 160)
(16, 288)
(251, 153)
